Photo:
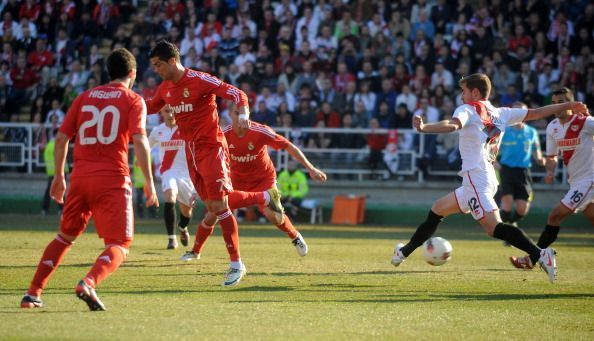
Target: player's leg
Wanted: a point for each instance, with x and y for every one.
(185, 214)
(74, 220)
(589, 213)
(579, 197)
(185, 197)
(507, 202)
(270, 198)
(204, 230)
(506, 189)
(443, 207)
(170, 190)
(114, 222)
(108, 262)
(521, 210)
(287, 227)
(522, 195)
(231, 236)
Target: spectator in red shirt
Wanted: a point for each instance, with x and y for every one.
(24, 81)
(41, 59)
(330, 117)
(519, 39)
(376, 143)
(29, 9)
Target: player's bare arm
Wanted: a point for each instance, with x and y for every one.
(298, 155)
(445, 126)
(550, 166)
(142, 151)
(543, 112)
(58, 187)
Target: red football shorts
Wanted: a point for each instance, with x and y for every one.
(209, 170)
(108, 199)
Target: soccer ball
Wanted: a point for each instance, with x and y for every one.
(437, 251)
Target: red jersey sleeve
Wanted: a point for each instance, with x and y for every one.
(222, 89)
(154, 104)
(137, 118)
(273, 139)
(69, 127)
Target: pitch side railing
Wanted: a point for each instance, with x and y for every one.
(20, 151)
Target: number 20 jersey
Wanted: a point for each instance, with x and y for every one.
(104, 119)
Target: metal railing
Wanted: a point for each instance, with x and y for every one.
(351, 163)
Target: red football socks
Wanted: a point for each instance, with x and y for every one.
(239, 199)
(51, 258)
(202, 233)
(230, 233)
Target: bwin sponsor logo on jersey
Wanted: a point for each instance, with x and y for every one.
(244, 158)
(182, 107)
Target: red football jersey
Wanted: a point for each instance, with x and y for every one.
(104, 119)
(193, 99)
(250, 162)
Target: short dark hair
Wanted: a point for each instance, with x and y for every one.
(119, 63)
(164, 50)
(478, 81)
(564, 91)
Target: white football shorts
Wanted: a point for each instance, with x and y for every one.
(475, 196)
(180, 185)
(579, 196)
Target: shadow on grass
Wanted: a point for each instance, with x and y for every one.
(417, 298)
(450, 230)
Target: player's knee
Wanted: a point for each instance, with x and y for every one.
(122, 245)
(217, 206)
(67, 237)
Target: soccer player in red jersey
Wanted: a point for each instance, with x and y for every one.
(252, 170)
(104, 120)
(192, 97)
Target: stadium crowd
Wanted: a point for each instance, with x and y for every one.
(304, 63)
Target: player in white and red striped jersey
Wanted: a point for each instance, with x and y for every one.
(175, 178)
(252, 170)
(572, 136)
(480, 126)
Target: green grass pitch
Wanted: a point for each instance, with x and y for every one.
(345, 288)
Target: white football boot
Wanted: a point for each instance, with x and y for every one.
(300, 245)
(398, 257)
(234, 276)
(189, 255)
(548, 263)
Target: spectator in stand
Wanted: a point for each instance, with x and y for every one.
(282, 95)
(546, 79)
(330, 117)
(55, 116)
(77, 77)
(442, 77)
(366, 96)
(403, 117)
(384, 116)
(376, 143)
(24, 82)
(264, 115)
(386, 94)
(327, 93)
(305, 115)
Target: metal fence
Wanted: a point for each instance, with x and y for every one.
(19, 148)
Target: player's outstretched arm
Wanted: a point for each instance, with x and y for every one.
(298, 155)
(543, 112)
(445, 126)
(58, 187)
(142, 151)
